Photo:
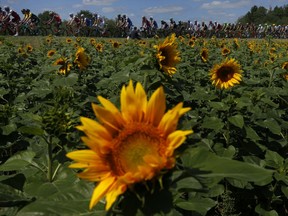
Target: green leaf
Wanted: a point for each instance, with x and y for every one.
(8, 129)
(70, 80)
(213, 123)
(219, 106)
(264, 212)
(33, 130)
(188, 183)
(237, 120)
(222, 167)
(251, 133)
(273, 159)
(272, 125)
(200, 205)
(18, 161)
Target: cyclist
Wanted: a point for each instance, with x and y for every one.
(54, 17)
(2, 14)
(32, 19)
(74, 22)
(15, 18)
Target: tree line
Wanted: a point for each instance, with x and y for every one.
(262, 15)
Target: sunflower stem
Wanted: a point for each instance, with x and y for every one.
(50, 159)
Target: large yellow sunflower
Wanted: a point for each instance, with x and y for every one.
(50, 53)
(81, 58)
(226, 74)
(168, 55)
(128, 146)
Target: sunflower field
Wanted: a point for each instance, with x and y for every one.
(166, 126)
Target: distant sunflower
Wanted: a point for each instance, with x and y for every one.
(21, 50)
(116, 44)
(48, 40)
(78, 39)
(204, 54)
(68, 40)
(285, 66)
(191, 43)
(226, 74)
(99, 47)
(272, 51)
(225, 51)
(236, 43)
(29, 48)
(130, 145)
(92, 41)
(167, 55)
(285, 76)
(50, 53)
(65, 65)
(81, 58)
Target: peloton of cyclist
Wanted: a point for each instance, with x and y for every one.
(15, 18)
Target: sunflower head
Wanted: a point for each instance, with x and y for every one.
(48, 40)
(65, 65)
(225, 51)
(191, 43)
(167, 55)
(236, 43)
(29, 48)
(21, 50)
(50, 53)
(130, 145)
(226, 74)
(116, 44)
(92, 41)
(285, 66)
(99, 47)
(204, 54)
(81, 58)
(68, 40)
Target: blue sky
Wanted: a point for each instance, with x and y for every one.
(184, 10)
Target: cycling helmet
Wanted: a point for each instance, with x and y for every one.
(7, 8)
(71, 14)
(82, 15)
(50, 13)
(28, 10)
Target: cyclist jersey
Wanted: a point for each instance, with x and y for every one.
(88, 22)
(57, 18)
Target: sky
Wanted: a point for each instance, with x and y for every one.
(180, 10)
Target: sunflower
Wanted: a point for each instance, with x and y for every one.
(204, 54)
(226, 74)
(285, 66)
(68, 40)
(99, 47)
(50, 53)
(272, 51)
(191, 43)
(21, 50)
(225, 51)
(48, 40)
(92, 41)
(116, 44)
(65, 65)
(78, 39)
(167, 55)
(285, 76)
(236, 43)
(128, 146)
(29, 48)
(81, 58)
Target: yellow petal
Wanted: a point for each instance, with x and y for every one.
(101, 190)
(92, 127)
(175, 139)
(156, 107)
(113, 194)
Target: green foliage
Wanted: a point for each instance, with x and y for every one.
(235, 162)
(261, 15)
